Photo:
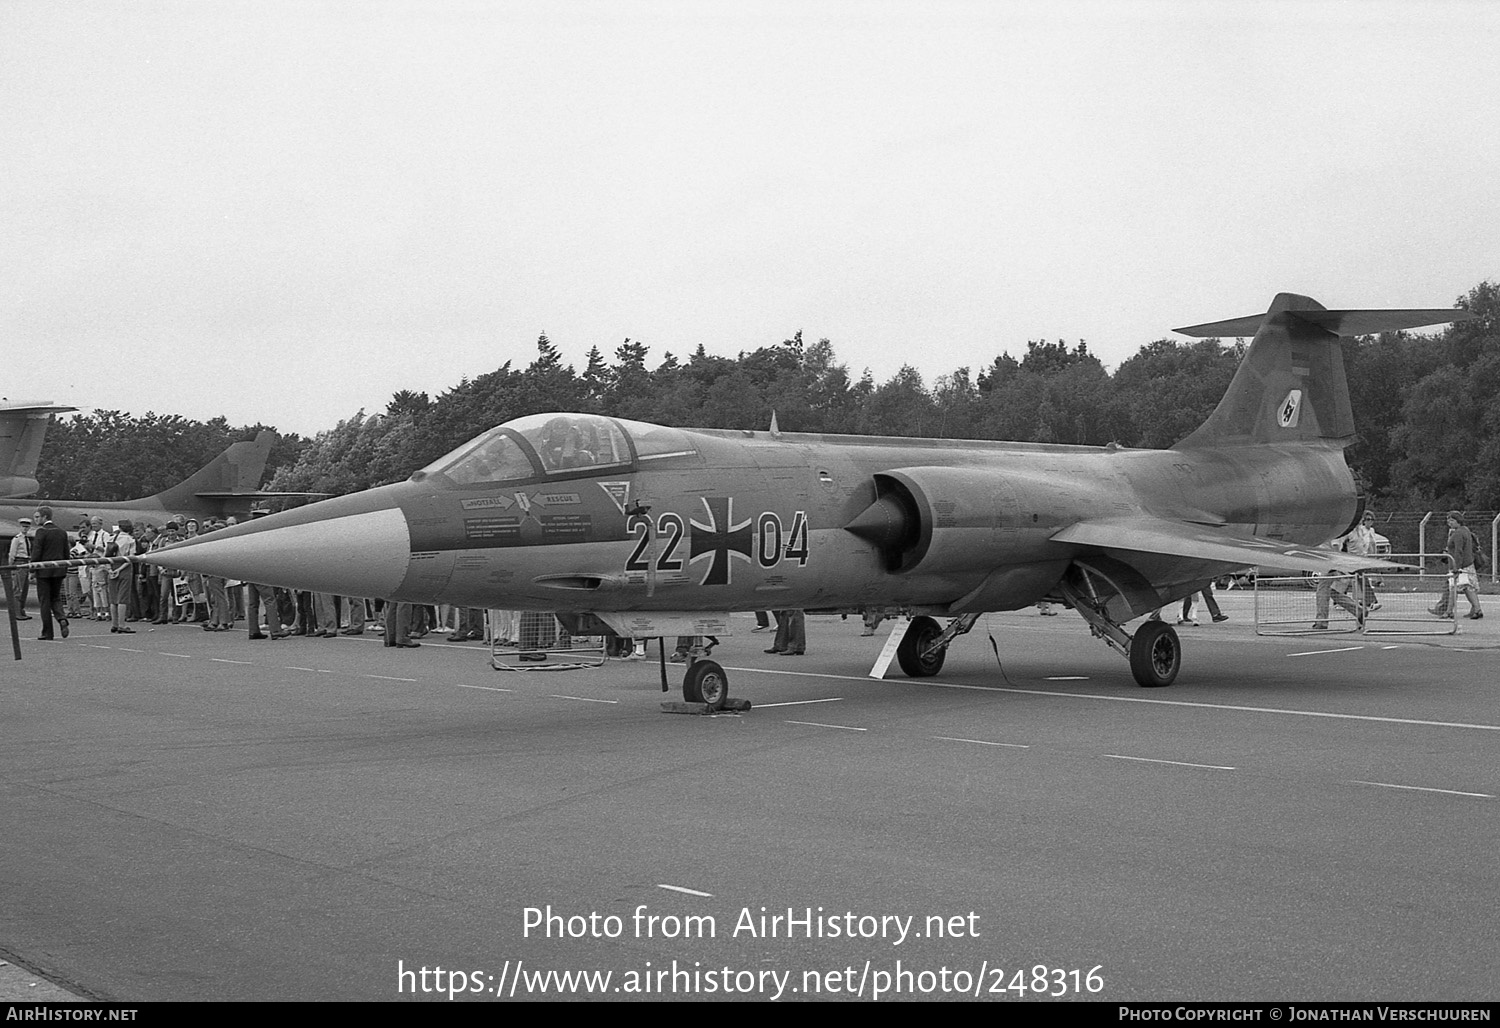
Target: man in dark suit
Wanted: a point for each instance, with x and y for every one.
(51, 543)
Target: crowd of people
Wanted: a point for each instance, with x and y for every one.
(126, 593)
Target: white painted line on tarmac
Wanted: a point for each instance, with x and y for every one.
(983, 742)
(388, 678)
(486, 688)
(189, 656)
(1314, 653)
(581, 699)
(127, 649)
(1178, 763)
(819, 724)
(226, 660)
(690, 892)
(290, 668)
(1420, 788)
(795, 703)
(1219, 706)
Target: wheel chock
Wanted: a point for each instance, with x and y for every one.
(733, 705)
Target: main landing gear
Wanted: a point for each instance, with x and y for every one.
(1154, 651)
(925, 644)
(1155, 654)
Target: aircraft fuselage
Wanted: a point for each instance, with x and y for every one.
(750, 521)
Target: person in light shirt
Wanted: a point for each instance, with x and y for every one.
(1364, 541)
(121, 576)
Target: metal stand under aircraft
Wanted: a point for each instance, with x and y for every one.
(541, 648)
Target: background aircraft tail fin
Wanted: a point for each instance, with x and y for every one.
(1290, 386)
(237, 470)
(23, 429)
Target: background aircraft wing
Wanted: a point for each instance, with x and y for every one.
(1144, 534)
(259, 494)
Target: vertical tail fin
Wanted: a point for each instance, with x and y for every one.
(23, 429)
(237, 470)
(1291, 386)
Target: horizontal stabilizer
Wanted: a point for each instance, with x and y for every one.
(11, 410)
(1197, 542)
(1340, 323)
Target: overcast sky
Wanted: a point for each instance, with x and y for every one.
(286, 212)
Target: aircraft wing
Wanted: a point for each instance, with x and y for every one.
(1144, 534)
(259, 494)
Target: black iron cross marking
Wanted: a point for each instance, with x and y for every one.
(720, 543)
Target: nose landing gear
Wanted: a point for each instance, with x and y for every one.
(705, 685)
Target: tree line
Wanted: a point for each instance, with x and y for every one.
(1426, 407)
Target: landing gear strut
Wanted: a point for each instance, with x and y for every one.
(925, 644)
(1154, 651)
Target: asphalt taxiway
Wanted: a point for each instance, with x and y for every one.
(196, 816)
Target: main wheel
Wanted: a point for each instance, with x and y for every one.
(1155, 654)
(918, 637)
(706, 683)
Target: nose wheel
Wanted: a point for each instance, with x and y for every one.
(707, 683)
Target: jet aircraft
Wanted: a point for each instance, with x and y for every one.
(227, 484)
(23, 429)
(659, 531)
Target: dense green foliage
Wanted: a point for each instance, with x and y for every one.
(107, 455)
(1427, 409)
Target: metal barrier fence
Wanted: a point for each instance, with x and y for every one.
(532, 641)
(1425, 532)
(1408, 601)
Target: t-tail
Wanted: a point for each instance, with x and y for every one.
(1290, 386)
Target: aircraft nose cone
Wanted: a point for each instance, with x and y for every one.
(352, 545)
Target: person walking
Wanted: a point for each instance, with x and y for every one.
(1463, 558)
(1362, 541)
(1208, 601)
(51, 544)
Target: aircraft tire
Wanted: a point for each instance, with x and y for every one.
(706, 683)
(1155, 654)
(918, 637)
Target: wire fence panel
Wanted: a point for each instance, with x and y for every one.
(1411, 601)
(537, 641)
(1406, 601)
(1306, 604)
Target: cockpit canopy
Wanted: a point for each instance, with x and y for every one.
(542, 446)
